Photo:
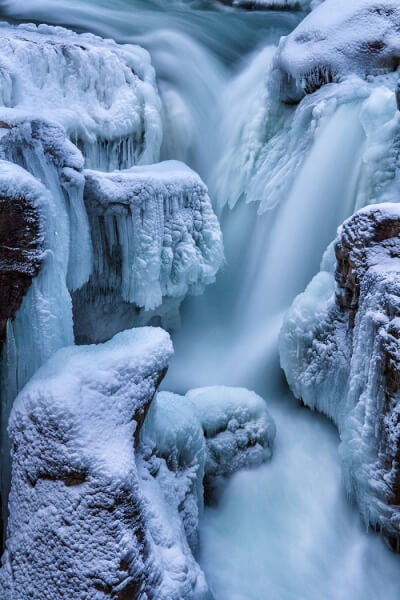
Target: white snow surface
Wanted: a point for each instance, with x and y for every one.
(337, 39)
(216, 430)
(96, 511)
(83, 523)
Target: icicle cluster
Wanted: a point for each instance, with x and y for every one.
(155, 237)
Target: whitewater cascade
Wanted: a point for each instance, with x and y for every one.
(287, 154)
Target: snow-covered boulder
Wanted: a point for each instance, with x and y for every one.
(340, 351)
(155, 238)
(337, 39)
(214, 431)
(103, 93)
(80, 525)
(35, 306)
(108, 485)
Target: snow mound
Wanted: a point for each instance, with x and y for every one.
(335, 40)
(155, 238)
(341, 355)
(102, 93)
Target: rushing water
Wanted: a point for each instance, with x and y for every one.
(285, 531)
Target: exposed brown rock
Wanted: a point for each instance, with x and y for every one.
(20, 244)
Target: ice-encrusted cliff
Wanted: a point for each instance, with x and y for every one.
(341, 355)
(155, 238)
(36, 309)
(102, 506)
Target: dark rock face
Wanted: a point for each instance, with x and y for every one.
(366, 233)
(20, 246)
(342, 357)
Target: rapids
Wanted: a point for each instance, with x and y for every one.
(285, 531)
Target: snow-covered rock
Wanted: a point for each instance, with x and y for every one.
(21, 232)
(155, 238)
(337, 39)
(340, 351)
(42, 148)
(104, 94)
(79, 524)
(214, 431)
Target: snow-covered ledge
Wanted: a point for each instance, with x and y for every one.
(337, 39)
(155, 239)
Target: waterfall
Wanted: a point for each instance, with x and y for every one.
(282, 179)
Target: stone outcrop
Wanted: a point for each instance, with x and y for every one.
(107, 485)
(340, 350)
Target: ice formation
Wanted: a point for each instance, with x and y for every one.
(340, 352)
(155, 238)
(339, 38)
(102, 93)
(42, 148)
(67, 101)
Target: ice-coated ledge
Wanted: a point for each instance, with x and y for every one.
(335, 40)
(103, 93)
(155, 238)
(22, 221)
(340, 351)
